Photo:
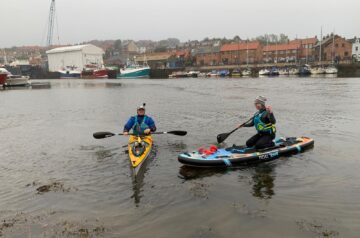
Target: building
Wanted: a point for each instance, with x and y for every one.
(159, 60)
(240, 53)
(74, 56)
(207, 56)
(281, 53)
(355, 52)
(333, 48)
(307, 48)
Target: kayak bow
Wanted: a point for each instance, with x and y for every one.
(139, 149)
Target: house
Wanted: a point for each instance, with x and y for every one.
(158, 60)
(281, 53)
(207, 56)
(307, 48)
(333, 48)
(240, 53)
(77, 56)
(355, 52)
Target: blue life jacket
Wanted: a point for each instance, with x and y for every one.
(139, 128)
(261, 127)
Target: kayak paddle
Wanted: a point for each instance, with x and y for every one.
(102, 135)
(222, 137)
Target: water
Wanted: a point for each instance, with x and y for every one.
(46, 139)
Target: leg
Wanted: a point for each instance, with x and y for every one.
(265, 141)
(253, 140)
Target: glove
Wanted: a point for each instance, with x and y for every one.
(147, 131)
(126, 133)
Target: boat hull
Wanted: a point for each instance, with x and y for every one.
(20, 81)
(138, 155)
(3, 79)
(135, 73)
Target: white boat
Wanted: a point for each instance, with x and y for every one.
(264, 72)
(284, 71)
(317, 70)
(69, 72)
(246, 72)
(331, 70)
(293, 71)
(17, 81)
(202, 75)
(193, 74)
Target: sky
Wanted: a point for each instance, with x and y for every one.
(24, 22)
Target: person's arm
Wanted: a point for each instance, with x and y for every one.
(151, 124)
(129, 124)
(270, 115)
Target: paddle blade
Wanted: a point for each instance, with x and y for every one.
(177, 133)
(102, 135)
(222, 137)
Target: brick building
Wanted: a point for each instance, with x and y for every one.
(208, 55)
(240, 53)
(307, 48)
(334, 48)
(280, 53)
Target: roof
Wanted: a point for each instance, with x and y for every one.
(327, 40)
(240, 46)
(306, 41)
(70, 49)
(207, 50)
(293, 46)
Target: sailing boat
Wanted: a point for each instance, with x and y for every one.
(247, 72)
(320, 69)
(331, 69)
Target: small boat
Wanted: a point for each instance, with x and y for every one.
(293, 71)
(202, 75)
(305, 70)
(236, 73)
(212, 74)
(193, 74)
(236, 156)
(3, 76)
(284, 71)
(94, 72)
(179, 74)
(274, 71)
(224, 73)
(331, 70)
(17, 81)
(246, 72)
(264, 72)
(69, 72)
(134, 71)
(139, 149)
(317, 70)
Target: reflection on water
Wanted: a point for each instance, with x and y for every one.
(263, 182)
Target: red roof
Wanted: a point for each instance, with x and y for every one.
(306, 41)
(240, 46)
(292, 46)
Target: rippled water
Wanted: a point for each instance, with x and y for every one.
(46, 139)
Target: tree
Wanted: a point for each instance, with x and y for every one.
(117, 45)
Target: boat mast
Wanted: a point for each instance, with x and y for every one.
(307, 46)
(247, 53)
(333, 47)
(320, 45)
(5, 58)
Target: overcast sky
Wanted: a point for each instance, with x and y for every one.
(23, 22)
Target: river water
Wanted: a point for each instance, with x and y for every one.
(88, 191)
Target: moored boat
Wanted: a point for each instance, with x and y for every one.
(69, 72)
(305, 70)
(317, 70)
(264, 72)
(331, 70)
(236, 73)
(132, 70)
(94, 72)
(246, 72)
(139, 149)
(3, 76)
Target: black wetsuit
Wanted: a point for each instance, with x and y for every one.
(262, 139)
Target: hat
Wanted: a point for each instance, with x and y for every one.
(142, 106)
(260, 100)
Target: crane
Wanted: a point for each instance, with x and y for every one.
(51, 23)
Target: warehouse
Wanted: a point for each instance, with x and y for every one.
(75, 57)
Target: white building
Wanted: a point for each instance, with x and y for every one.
(356, 49)
(74, 56)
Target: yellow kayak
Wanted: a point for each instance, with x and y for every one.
(139, 150)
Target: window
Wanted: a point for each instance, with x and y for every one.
(346, 53)
(343, 45)
(336, 45)
(356, 48)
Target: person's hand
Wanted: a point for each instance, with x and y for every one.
(269, 109)
(126, 133)
(147, 131)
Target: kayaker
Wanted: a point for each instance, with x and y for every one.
(140, 124)
(264, 122)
